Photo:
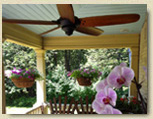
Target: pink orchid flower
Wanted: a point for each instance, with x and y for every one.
(101, 109)
(101, 85)
(110, 110)
(98, 107)
(120, 75)
(106, 97)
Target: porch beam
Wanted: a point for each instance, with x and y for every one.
(88, 42)
(21, 36)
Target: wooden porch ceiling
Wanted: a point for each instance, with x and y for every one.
(22, 36)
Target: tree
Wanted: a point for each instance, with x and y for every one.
(106, 59)
(70, 58)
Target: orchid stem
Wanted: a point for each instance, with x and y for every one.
(144, 106)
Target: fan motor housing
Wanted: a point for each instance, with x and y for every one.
(68, 26)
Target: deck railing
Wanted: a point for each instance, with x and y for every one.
(35, 110)
(79, 107)
(38, 109)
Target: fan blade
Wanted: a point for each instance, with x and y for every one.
(32, 22)
(89, 30)
(50, 30)
(109, 20)
(66, 11)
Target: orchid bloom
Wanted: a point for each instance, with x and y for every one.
(110, 110)
(101, 109)
(120, 75)
(98, 107)
(107, 96)
(101, 85)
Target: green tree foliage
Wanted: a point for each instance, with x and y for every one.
(18, 56)
(106, 59)
(70, 58)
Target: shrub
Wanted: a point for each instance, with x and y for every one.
(20, 101)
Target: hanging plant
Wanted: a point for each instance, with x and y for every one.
(85, 76)
(23, 78)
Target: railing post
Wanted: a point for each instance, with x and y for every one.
(135, 67)
(41, 85)
(3, 85)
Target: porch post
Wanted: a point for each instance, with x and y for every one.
(41, 85)
(3, 85)
(135, 67)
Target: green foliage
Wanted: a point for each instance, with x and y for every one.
(122, 92)
(17, 100)
(71, 59)
(78, 57)
(58, 83)
(86, 73)
(127, 106)
(87, 91)
(76, 74)
(107, 59)
(105, 72)
(18, 56)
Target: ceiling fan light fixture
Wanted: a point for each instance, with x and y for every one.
(67, 26)
(68, 30)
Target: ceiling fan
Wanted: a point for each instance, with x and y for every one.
(69, 22)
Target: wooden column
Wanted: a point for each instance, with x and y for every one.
(135, 67)
(41, 85)
(3, 85)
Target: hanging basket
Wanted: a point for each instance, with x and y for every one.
(23, 82)
(84, 81)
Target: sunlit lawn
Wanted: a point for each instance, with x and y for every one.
(16, 110)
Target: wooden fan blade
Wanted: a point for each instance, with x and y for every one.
(66, 11)
(89, 30)
(109, 20)
(49, 31)
(32, 22)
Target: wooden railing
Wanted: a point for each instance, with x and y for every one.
(35, 110)
(83, 109)
(61, 107)
(38, 109)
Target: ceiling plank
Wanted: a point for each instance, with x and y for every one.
(88, 42)
(22, 36)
